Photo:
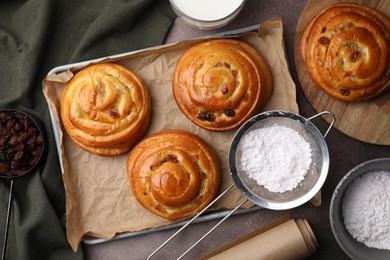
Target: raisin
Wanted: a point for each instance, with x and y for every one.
(230, 112)
(19, 160)
(155, 166)
(11, 123)
(170, 158)
(14, 140)
(37, 151)
(25, 122)
(345, 91)
(323, 30)
(32, 139)
(324, 41)
(20, 147)
(34, 161)
(5, 134)
(206, 116)
(16, 164)
(24, 137)
(18, 127)
(39, 139)
(354, 56)
(4, 168)
(224, 89)
(5, 116)
(18, 155)
(347, 74)
(114, 114)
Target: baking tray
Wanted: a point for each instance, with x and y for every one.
(205, 217)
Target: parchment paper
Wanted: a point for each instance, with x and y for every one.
(284, 238)
(99, 201)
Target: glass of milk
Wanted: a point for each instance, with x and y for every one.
(207, 14)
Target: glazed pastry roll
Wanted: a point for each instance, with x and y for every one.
(346, 51)
(173, 174)
(219, 84)
(105, 109)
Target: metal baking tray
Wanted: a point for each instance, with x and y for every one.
(205, 217)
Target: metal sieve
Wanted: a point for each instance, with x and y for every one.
(314, 178)
(307, 189)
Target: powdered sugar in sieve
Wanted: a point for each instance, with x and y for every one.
(276, 157)
(278, 135)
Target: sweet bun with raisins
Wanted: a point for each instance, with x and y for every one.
(220, 83)
(105, 109)
(346, 51)
(173, 174)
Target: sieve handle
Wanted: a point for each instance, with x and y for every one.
(214, 227)
(192, 220)
(331, 124)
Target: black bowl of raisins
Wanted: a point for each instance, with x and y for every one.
(21, 143)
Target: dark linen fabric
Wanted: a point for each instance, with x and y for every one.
(36, 36)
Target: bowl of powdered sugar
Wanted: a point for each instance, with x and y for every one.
(360, 211)
(279, 159)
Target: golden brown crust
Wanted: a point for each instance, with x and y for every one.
(173, 173)
(220, 83)
(105, 109)
(346, 51)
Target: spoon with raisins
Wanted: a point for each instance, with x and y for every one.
(21, 148)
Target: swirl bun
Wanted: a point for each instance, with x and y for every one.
(346, 51)
(173, 174)
(105, 109)
(219, 84)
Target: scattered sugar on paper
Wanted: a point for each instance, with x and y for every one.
(366, 209)
(276, 157)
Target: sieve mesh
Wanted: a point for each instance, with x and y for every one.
(314, 178)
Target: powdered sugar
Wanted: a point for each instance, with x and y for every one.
(366, 209)
(276, 157)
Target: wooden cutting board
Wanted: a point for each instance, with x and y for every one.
(366, 121)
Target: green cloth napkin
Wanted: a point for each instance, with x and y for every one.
(36, 36)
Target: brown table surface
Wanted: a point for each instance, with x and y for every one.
(345, 153)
